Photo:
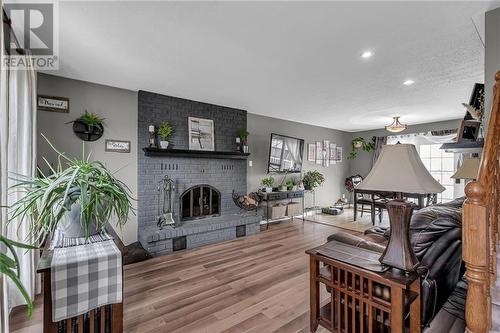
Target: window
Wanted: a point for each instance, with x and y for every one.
(441, 165)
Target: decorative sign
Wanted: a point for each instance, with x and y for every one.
(53, 104)
(117, 146)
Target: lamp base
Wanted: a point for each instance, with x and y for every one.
(399, 253)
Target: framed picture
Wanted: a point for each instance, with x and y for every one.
(319, 152)
(311, 152)
(333, 153)
(340, 154)
(117, 146)
(201, 134)
(468, 130)
(53, 103)
(326, 153)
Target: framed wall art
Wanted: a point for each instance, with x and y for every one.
(201, 134)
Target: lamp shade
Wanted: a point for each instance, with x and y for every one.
(400, 169)
(469, 169)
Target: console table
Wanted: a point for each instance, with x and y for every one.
(360, 300)
(273, 197)
(107, 318)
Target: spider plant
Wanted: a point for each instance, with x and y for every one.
(87, 184)
(10, 267)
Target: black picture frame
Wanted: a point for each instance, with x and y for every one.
(468, 131)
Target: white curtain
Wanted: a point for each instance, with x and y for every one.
(418, 139)
(4, 314)
(21, 159)
(17, 155)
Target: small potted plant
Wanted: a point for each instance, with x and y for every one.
(164, 132)
(312, 179)
(267, 183)
(243, 135)
(89, 126)
(292, 184)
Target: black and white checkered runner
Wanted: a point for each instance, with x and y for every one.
(85, 277)
(58, 240)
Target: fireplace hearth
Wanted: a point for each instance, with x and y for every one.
(200, 201)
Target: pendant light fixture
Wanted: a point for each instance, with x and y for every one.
(396, 126)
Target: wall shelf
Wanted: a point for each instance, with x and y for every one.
(463, 147)
(157, 152)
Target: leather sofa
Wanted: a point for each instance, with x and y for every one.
(436, 238)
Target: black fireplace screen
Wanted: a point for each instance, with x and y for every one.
(200, 201)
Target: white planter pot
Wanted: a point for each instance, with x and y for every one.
(283, 188)
(268, 189)
(163, 144)
(71, 225)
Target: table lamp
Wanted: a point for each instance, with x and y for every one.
(399, 169)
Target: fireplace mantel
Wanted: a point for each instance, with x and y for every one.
(157, 152)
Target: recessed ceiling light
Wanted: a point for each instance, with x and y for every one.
(367, 54)
(408, 82)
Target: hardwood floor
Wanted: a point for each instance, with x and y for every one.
(252, 284)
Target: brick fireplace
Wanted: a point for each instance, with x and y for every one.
(202, 201)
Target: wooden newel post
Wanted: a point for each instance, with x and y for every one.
(476, 256)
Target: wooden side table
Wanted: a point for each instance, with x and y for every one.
(361, 300)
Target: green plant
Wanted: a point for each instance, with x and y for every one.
(243, 135)
(267, 181)
(360, 143)
(292, 182)
(313, 179)
(91, 119)
(10, 267)
(165, 130)
(88, 184)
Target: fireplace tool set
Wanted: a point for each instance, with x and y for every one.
(165, 189)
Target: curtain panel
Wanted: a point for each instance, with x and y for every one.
(17, 156)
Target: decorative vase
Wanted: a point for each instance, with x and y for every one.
(283, 188)
(163, 144)
(71, 225)
(268, 189)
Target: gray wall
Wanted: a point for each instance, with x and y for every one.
(118, 106)
(261, 127)
(362, 164)
(492, 57)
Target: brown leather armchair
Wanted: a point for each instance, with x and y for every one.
(436, 238)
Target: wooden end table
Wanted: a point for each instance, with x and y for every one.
(360, 300)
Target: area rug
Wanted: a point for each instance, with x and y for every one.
(346, 221)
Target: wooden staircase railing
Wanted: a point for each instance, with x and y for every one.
(480, 226)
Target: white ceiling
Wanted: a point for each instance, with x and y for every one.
(292, 60)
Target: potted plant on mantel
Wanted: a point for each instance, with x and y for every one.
(164, 132)
(243, 135)
(79, 199)
(267, 183)
(312, 179)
